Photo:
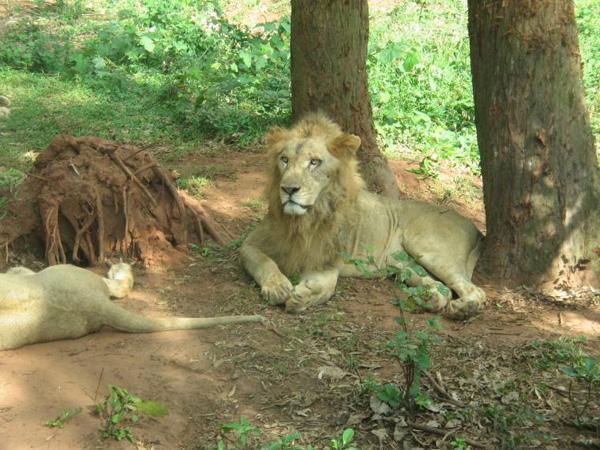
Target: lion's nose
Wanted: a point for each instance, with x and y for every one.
(290, 190)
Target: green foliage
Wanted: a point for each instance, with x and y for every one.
(345, 442)
(285, 443)
(194, 185)
(390, 394)
(412, 348)
(243, 429)
(174, 71)
(10, 179)
(564, 350)
(67, 415)
(459, 444)
(120, 408)
(588, 24)
(420, 82)
(217, 78)
(587, 372)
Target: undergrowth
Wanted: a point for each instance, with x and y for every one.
(247, 436)
(173, 72)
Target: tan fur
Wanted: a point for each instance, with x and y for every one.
(311, 241)
(67, 302)
(319, 210)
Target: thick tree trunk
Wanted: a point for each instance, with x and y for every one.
(329, 73)
(539, 166)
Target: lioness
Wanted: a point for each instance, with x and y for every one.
(67, 302)
(320, 211)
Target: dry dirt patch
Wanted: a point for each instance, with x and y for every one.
(273, 376)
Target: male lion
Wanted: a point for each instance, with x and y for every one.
(67, 302)
(320, 216)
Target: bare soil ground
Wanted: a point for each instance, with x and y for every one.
(275, 375)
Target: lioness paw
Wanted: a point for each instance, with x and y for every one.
(277, 289)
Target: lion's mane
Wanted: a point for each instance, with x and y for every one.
(311, 241)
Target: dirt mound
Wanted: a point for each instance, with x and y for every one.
(87, 199)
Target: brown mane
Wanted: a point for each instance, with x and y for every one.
(311, 241)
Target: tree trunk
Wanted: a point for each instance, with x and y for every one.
(538, 162)
(329, 73)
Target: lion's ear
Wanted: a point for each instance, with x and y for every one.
(276, 135)
(345, 145)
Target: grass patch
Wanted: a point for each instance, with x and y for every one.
(177, 72)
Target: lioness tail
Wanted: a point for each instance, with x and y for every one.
(123, 320)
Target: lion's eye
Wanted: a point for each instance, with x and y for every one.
(315, 162)
(283, 159)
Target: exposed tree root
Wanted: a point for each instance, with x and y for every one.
(88, 199)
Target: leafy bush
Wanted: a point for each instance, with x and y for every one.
(200, 74)
(219, 78)
(420, 81)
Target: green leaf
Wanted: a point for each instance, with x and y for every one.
(443, 290)
(419, 270)
(99, 63)
(401, 256)
(260, 63)
(389, 394)
(569, 371)
(246, 58)
(152, 408)
(147, 43)
(347, 436)
(410, 61)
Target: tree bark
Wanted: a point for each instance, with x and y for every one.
(329, 73)
(538, 162)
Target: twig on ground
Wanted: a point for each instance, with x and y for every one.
(439, 432)
(98, 385)
(440, 390)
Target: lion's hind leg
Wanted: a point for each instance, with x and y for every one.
(470, 299)
(414, 276)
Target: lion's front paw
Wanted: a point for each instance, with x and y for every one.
(306, 294)
(277, 289)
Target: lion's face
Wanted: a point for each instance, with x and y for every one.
(308, 162)
(306, 167)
